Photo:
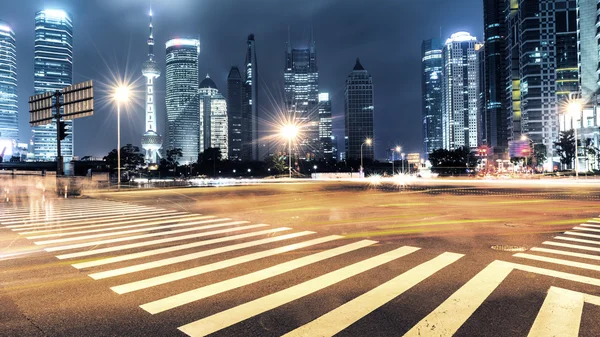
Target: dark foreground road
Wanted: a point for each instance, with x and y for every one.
(304, 259)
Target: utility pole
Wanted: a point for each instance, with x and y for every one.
(57, 116)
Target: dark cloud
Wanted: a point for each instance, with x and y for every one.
(110, 38)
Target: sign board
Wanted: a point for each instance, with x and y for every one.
(413, 158)
(519, 148)
(40, 109)
(78, 100)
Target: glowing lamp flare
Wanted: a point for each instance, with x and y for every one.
(122, 93)
(289, 131)
(369, 141)
(574, 108)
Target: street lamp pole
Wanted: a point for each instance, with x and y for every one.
(574, 110)
(290, 156)
(118, 144)
(393, 152)
(367, 141)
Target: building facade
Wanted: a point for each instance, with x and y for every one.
(542, 41)
(431, 91)
(9, 113)
(460, 92)
(52, 71)
(151, 140)
(494, 126)
(359, 109)
(301, 86)
(213, 118)
(234, 113)
(325, 126)
(250, 125)
(183, 119)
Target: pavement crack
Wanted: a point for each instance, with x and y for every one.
(34, 325)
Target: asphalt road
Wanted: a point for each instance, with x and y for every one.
(305, 259)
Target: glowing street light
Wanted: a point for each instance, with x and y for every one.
(121, 95)
(574, 109)
(367, 141)
(394, 150)
(289, 131)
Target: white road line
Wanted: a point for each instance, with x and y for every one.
(566, 253)
(587, 229)
(197, 255)
(568, 245)
(28, 222)
(164, 220)
(178, 238)
(244, 280)
(559, 261)
(560, 314)
(51, 212)
(144, 236)
(170, 249)
(99, 222)
(588, 225)
(242, 312)
(577, 240)
(188, 222)
(583, 234)
(54, 208)
(447, 318)
(55, 216)
(349, 313)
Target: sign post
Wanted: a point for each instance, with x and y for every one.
(77, 102)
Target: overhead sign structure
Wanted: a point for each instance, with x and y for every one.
(77, 101)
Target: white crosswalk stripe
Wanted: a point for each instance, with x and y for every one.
(103, 233)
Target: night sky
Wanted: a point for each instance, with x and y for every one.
(110, 40)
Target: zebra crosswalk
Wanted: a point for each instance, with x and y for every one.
(141, 249)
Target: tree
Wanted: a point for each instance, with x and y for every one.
(278, 162)
(173, 156)
(453, 162)
(540, 152)
(209, 155)
(565, 147)
(131, 158)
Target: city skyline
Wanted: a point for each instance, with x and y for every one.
(395, 75)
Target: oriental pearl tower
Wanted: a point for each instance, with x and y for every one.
(151, 140)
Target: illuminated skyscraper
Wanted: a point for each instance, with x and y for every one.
(213, 118)
(234, 112)
(151, 140)
(250, 132)
(183, 119)
(431, 91)
(9, 114)
(359, 111)
(460, 91)
(325, 126)
(52, 70)
(302, 96)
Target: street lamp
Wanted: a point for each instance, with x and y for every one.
(121, 95)
(394, 150)
(524, 137)
(402, 163)
(574, 108)
(289, 131)
(367, 141)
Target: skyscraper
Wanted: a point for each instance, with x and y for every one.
(151, 140)
(9, 113)
(301, 96)
(52, 70)
(588, 48)
(460, 89)
(234, 112)
(325, 126)
(213, 117)
(250, 132)
(431, 91)
(494, 110)
(543, 56)
(359, 111)
(183, 120)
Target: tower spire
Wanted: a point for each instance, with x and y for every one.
(150, 38)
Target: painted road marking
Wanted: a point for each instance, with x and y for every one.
(244, 280)
(588, 225)
(149, 229)
(568, 245)
(447, 318)
(583, 234)
(170, 219)
(242, 312)
(182, 247)
(27, 221)
(50, 209)
(559, 261)
(587, 229)
(577, 240)
(342, 317)
(566, 253)
(144, 236)
(560, 314)
(197, 255)
(101, 222)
